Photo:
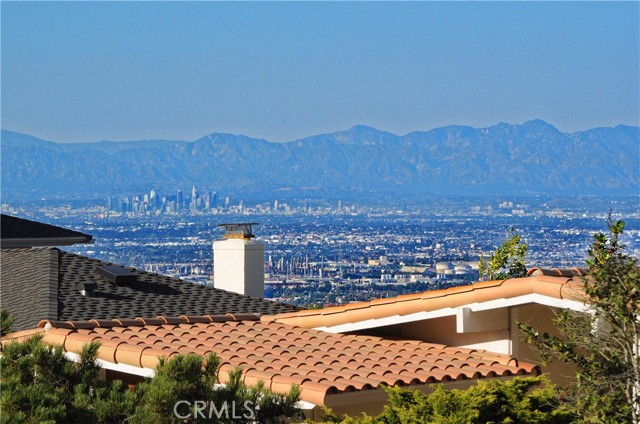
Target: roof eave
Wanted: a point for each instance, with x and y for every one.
(12, 243)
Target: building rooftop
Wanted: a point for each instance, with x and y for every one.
(48, 283)
(20, 232)
(322, 364)
(554, 287)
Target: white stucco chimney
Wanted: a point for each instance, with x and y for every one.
(238, 261)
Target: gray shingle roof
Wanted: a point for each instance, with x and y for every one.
(30, 276)
(28, 284)
(20, 232)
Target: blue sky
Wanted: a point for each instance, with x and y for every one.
(75, 71)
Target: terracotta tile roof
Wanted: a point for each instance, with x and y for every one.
(561, 284)
(19, 336)
(45, 283)
(20, 232)
(279, 354)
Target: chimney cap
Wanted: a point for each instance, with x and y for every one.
(240, 230)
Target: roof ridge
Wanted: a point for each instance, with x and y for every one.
(140, 322)
(559, 272)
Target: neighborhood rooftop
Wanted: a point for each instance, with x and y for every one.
(552, 287)
(322, 364)
(20, 232)
(49, 283)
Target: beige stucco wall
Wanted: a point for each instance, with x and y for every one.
(541, 318)
(444, 331)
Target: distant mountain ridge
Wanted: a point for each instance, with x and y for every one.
(531, 158)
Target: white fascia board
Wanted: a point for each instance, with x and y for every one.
(124, 368)
(478, 306)
(529, 298)
(304, 405)
(300, 404)
(391, 320)
(148, 372)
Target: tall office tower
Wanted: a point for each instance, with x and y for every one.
(214, 200)
(194, 198)
(238, 261)
(179, 202)
(153, 199)
(207, 199)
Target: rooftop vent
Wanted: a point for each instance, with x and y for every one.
(116, 274)
(239, 230)
(86, 289)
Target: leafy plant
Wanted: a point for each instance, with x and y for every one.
(6, 322)
(507, 260)
(603, 346)
(521, 400)
(38, 384)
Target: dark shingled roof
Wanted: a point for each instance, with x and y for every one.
(20, 232)
(28, 284)
(30, 277)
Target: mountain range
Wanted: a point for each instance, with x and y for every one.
(504, 159)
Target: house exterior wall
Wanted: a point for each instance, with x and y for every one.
(444, 331)
(541, 318)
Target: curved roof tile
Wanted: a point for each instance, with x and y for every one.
(321, 365)
(557, 283)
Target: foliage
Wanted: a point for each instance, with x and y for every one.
(603, 346)
(6, 322)
(520, 400)
(507, 261)
(190, 379)
(40, 385)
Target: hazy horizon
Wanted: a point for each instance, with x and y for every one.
(311, 135)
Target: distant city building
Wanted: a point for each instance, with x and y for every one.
(194, 199)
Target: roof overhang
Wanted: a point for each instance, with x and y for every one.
(12, 243)
(459, 312)
(123, 368)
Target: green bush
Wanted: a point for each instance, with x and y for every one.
(526, 400)
(39, 385)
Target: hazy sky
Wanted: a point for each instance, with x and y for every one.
(75, 71)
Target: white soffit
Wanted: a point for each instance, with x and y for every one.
(474, 307)
(124, 368)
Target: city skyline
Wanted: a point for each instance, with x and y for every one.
(280, 71)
